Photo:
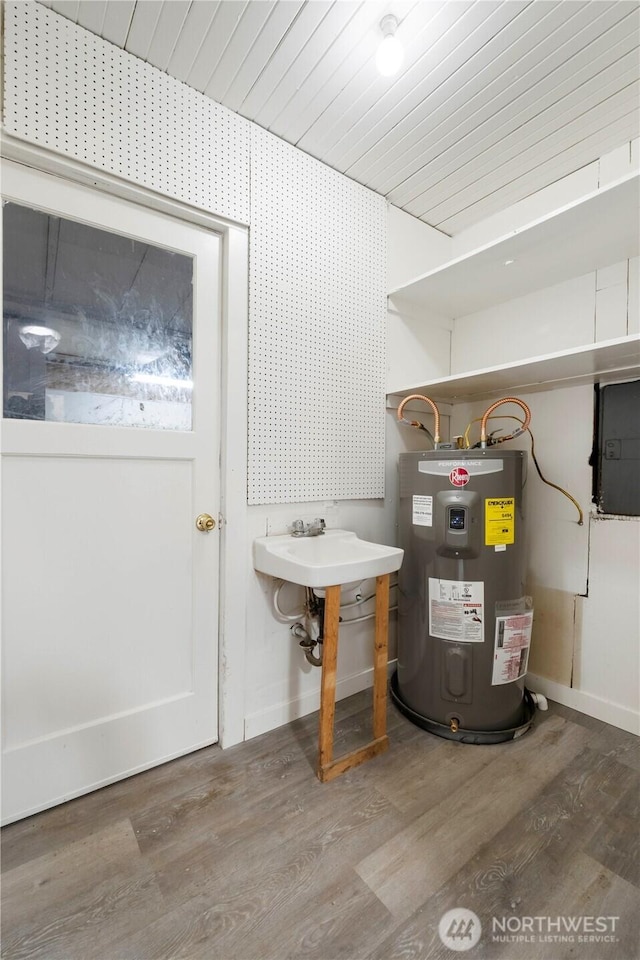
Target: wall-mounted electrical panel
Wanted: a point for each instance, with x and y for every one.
(617, 485)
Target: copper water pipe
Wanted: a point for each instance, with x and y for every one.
(494, 406)
(416, 423)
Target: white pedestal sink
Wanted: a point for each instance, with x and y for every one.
(334, 557)
(328, 561)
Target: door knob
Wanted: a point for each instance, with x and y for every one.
(205, 522)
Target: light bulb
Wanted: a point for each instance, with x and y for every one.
(45, 339)
(390, 53)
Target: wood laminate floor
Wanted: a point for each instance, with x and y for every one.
(244, 855)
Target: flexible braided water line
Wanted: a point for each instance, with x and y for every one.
(415, 423)
(494, 406)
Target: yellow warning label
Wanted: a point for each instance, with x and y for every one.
(499, 521)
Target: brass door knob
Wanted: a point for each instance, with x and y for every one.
(205, 522)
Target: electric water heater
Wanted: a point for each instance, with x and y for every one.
(464, 626)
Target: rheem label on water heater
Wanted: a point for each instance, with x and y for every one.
(422, 511)
(456, 610)
(459, 477)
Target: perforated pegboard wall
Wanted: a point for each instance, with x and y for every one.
(317, 246)
(70, 91)
(317, 332)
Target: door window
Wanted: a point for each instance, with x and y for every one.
(97, 326)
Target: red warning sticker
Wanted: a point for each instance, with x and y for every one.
(459, 477)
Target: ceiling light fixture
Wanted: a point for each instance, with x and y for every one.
(390, 52)
(34, 336)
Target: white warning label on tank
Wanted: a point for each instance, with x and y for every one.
(456, 610)
(423, 511)
(511, 653)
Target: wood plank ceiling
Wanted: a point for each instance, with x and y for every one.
(495, 99)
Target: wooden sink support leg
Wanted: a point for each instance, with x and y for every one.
(328, 768)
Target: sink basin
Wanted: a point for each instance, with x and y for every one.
(335, 557)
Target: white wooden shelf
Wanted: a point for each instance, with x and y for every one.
(600, 362)
(596, 231)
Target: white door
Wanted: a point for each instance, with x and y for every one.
(110, 452)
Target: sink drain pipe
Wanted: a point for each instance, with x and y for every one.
(310, 633)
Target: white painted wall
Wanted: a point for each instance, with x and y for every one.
(413, 247)
(607, 657)
(556, 318)
(418, 343)
(602, 305)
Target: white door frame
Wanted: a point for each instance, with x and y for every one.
(233, 410)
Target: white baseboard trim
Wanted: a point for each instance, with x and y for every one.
(593, 706)
(288, 710)
(284, 712)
